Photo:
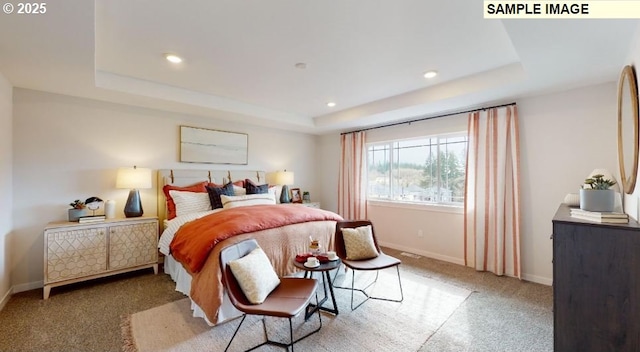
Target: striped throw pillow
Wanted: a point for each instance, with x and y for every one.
(190, 202)
(247, 200)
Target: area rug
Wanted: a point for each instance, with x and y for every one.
(375, 326)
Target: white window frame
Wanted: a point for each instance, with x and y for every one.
(391, 201)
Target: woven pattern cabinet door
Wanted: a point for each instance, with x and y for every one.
(133, 244)
(75, 253)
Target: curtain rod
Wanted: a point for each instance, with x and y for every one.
(427, 118)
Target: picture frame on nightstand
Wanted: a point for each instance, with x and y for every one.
(296, 196)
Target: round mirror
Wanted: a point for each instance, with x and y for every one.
(628, 128)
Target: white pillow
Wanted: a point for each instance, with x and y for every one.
(255, 275)
(229, 202)
(276, 191)
(358, 243)
(190, 202)
(239, 191)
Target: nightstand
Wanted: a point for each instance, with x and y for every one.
(75, 252)
(311, 204)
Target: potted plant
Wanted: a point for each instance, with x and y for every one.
(596, 194)
(78, 210)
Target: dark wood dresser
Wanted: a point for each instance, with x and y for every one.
(596, 285)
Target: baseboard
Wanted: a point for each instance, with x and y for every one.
(427, 254)
(5, 299)
(537, 279)
(460, 261)
(28, 286)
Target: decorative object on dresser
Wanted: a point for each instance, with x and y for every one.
(306, 197)
(78, 209)
(201, 145)
(91, 218)
(311, 204)
(295, 195)
(596, 285)
(596, 194)
(284, 178)
(598, 216)
(110, 209)
(134, 179)
(628, 128)
(76, 252)
(572, 200)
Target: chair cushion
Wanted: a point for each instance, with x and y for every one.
(358, 243)
(255, 275)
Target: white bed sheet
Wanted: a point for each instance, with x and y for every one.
(183, 285)
(181, 277)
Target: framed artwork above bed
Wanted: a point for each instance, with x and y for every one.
(201, 145)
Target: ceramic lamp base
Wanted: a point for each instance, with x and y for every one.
(133, 208)
(284, 195)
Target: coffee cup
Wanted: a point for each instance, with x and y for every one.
(312, 261)
(332, 255)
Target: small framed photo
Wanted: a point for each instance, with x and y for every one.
(296, 196)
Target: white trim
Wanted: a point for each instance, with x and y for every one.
(538, 279)
(445, 258)
(28, 286)
(5, 299)
(441, 208)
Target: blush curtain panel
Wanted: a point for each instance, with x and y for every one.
(352, 189)
(492, 193)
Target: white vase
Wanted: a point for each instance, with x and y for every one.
(110, 209)
(602, 200)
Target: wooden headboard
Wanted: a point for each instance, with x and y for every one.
(190, 176)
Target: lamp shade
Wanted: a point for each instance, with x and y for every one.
(284, 178)
(133, 178)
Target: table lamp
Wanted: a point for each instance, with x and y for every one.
(134, 179)
(284, 178)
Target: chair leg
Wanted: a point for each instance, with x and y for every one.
(235, 332)
(290, 334)
(364, 292)
(310, 333)
(281, 344)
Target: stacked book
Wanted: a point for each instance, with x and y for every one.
(600, 216)
(91, 218)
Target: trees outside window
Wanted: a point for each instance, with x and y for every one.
(429, 169)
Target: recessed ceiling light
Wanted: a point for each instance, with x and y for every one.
(430, 74)
(331, 104)
(173, 58)
(301, 65)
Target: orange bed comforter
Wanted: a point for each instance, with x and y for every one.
(193, 242)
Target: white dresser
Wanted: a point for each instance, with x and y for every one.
(311, 204)
(76, 252)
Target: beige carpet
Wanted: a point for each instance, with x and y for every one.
(377, 325)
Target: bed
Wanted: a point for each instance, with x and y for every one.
(202, 282)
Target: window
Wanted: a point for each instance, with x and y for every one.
(428, 169)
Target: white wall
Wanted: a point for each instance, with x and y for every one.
(68, 148)
(563, 137)
(6, 187)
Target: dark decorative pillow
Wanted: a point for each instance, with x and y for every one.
(252, 188)
(215, 192)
